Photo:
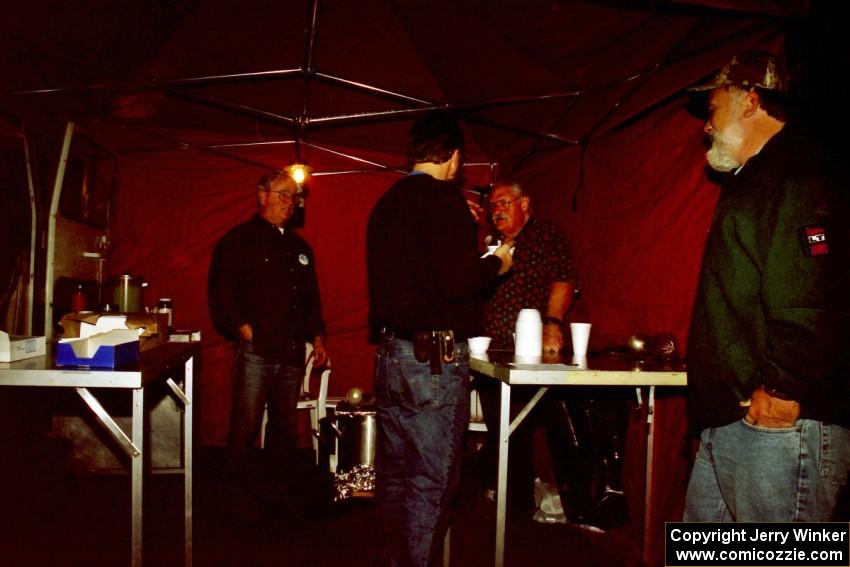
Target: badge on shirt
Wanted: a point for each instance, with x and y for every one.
(303, 259)
(814, 240)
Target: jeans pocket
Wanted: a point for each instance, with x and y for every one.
(400, 380)
(418, 388)
(835, 453)
(777, 430)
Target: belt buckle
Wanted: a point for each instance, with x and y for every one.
(447, 345)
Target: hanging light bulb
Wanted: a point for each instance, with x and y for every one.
(299, 173)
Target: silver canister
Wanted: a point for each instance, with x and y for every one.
(358, 432)
(128, 293)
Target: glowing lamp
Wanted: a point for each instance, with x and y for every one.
(298, 172)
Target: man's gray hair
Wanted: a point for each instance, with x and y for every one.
(514, 186)
(269, 180)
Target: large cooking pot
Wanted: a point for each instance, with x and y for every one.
(127, 293)
(357, 429)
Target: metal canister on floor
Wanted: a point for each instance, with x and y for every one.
(357, 429)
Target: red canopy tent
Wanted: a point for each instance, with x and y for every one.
(582, 102)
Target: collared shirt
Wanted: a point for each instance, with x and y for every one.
(267, 279)
(541, 257)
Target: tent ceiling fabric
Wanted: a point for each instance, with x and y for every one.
(527, 76)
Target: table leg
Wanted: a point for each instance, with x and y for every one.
(502, 478)
(109, 424)
(136, 472)
(647, 505)
(188, 377)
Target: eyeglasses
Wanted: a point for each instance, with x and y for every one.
(283, 195)
(503, 204)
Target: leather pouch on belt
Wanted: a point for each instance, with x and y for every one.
(435, 347)
(422, 346)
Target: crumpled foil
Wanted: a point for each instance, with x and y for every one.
(361, 478)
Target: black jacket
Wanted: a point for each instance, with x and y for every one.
(773, 304)
(423, 263)
(268, 279)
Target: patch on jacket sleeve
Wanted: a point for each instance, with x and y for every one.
(814, 240)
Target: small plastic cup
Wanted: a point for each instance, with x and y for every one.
(479, 345)
(580, 333)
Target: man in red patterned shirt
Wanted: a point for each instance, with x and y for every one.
(543, 278)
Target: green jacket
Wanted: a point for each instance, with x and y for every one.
(773, 303)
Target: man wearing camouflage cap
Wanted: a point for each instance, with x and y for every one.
(768, 369)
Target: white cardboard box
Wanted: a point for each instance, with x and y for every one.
(14, 347)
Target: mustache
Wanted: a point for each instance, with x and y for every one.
(500, 216)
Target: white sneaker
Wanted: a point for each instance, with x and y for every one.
(542, 517)
(548, 500)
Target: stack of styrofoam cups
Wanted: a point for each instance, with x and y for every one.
(529, 337)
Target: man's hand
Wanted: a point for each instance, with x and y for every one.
(553, 338)
(475, 210)
(503, 253)
(246, 332)
(320, 355)
(772, 413)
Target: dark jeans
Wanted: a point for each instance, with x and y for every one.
(421, 421)
(747, 473)
(258, 381)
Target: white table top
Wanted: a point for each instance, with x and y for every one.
(42, 371)
(597, 370)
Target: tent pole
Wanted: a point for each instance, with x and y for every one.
(51, 231)
(30, 300)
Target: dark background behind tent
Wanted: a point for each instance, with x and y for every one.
(583, 102)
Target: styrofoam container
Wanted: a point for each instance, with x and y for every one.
(112, 349)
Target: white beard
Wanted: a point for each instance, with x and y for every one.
(724, 147)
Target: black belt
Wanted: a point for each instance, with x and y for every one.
(407, 335)
(433, 347)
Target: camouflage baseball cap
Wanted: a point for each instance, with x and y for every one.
(748, 70)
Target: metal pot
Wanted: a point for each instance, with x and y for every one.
(127, 293)
(357, 430)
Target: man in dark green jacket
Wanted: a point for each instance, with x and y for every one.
(768, 349)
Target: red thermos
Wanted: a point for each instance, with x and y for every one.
(78, 299)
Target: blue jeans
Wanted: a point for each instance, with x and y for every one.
(421, 422)
(746, 473)
(258, 381)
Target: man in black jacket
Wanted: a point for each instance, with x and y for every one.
(768, 372)
(425, 298)
(264, 295)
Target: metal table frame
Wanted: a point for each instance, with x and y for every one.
(155, 364)
(546, 375)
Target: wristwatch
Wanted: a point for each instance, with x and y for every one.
(549, 320)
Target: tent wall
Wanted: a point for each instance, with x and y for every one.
(637, 230)
(637, 235)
